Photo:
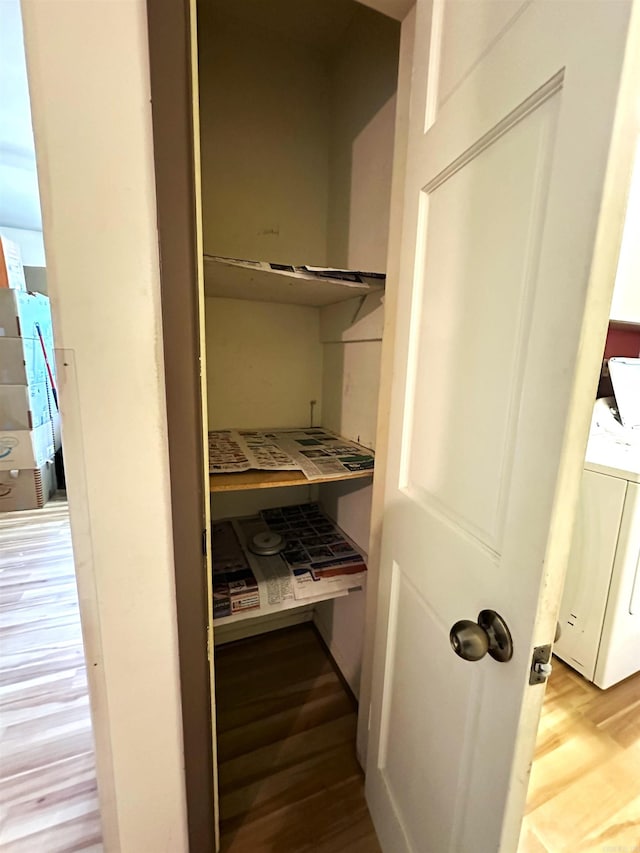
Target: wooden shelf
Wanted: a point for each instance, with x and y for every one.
(259, 282)
(272, 480)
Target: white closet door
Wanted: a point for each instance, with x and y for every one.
(512, 110)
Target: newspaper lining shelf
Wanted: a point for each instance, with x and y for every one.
(245, 459)
(319, 563)
(235, 278)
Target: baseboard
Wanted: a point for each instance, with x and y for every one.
(349, 671)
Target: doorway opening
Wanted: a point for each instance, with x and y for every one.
(48, 769)
(584, 783)
(297, 110)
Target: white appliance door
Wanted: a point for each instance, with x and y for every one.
(619, 654)
(586, 587)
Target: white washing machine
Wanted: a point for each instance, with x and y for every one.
(600, 611)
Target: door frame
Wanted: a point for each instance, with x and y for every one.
(170, 61)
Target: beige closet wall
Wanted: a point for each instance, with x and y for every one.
(296, 142)
(364, 77)
(363, 85)
(264, 114)
(264, 133)
(297, 121)
(264, 364)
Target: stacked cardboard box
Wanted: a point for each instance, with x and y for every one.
(29, 421)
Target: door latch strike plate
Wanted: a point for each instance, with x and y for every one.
(540, 665)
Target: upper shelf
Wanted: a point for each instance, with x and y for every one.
(332, 458)
(255, 479)
(265, 282)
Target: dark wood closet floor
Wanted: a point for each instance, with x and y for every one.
(288, 774)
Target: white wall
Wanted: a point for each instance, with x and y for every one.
(341, 621)
(364, 76)
(351, 333)
(89, 80)
(625, 306)
(363, 80)
(20, 218)
(264, 142)
(351, 377)
(363, 84)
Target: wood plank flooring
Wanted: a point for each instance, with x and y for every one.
(48, 800)
(289, 778)
(584, 793)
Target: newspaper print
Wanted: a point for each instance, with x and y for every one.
(321, 453)
(274, 584)
(266, 452)
(225, 453)
(316, 452)
(318, 561)
(235, 587)
(231, 451)
(318, 555)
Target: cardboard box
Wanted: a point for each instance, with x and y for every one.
(22, 362)
(11, 269)
(25, 406)
(27, 489)
(36, 278)
(21, 312)
(26, 448)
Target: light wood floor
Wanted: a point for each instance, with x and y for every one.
(48, 801)
(289, 778)
(584, 793)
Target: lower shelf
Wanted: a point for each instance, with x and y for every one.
(267, 609)
(279, 590)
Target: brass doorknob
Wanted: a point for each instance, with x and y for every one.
(468, 640)
(473, 640)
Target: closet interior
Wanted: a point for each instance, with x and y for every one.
(297, 120)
